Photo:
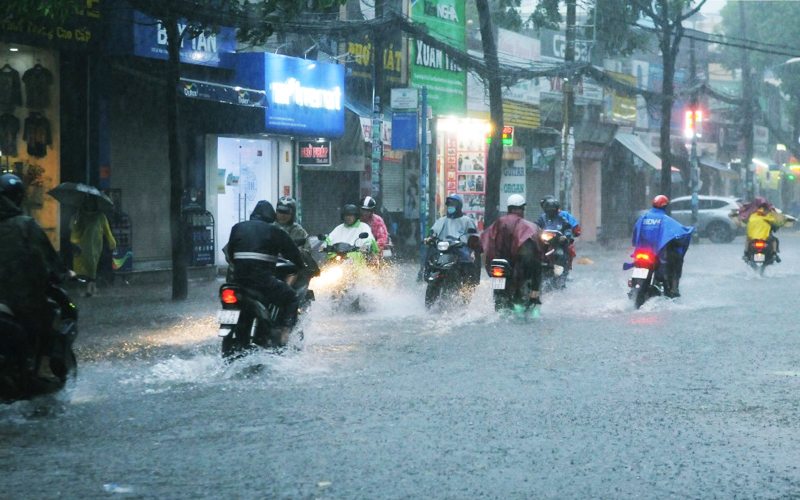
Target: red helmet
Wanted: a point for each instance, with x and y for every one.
(660, 201)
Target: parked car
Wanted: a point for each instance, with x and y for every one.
(713, 216)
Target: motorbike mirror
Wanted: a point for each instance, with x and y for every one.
(322, 237)
(363, 235)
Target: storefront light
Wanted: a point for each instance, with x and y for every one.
(14, 49)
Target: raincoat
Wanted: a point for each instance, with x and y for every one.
(655, 229)
(349, 234)
(87, 231)
(760, 224)
(455, 225)
(503, 239)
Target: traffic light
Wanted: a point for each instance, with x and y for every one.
(693, 123)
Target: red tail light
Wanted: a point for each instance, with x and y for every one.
(229, 296)
(760, 245)
(497, 272)
(644, 258)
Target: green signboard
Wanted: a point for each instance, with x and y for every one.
(446, 81)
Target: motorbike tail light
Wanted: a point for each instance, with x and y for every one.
(497, 272)
(228, 296)
(760, 245)
(644, 258)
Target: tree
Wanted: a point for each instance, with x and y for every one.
(772, 24)
(256, 21)
(668, 17)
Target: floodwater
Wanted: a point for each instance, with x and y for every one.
(693, 398)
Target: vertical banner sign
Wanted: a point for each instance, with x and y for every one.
(377, 148)
(446, 81)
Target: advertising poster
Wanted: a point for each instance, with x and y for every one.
(618, 108)
(465, 163)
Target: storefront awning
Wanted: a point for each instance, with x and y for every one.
(637, 147)
(721, 168)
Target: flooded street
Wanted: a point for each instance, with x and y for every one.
(693, 398)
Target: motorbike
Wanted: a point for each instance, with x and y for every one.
(644, 282)
(759, 255)
(21, 364)
(555, 259)
(247, 320)
(442, 272)
(506, 295)
(341, 272)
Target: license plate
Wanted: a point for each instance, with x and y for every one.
(498, 283)
(228, 316)
(640, 272)
(759, 257)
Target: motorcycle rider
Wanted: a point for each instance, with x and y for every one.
(375, 221)
(286, 214)
(760, 226)
(515, 239)
(349, 231)
(575, 226)
(254, 246)
(28, 265)
(668, 239)
(455, 224)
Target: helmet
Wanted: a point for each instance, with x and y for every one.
(12, 188)
(550, 205)
(544, 200)
(286, 204)
(350, 209)
(516, 200)
(263, 211)
(660, 201)
(368, 203)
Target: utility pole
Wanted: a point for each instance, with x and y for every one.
(377, 89)
(747, 110)
(694, 165)
(564, 178)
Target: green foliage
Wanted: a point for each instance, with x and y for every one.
(38, 10)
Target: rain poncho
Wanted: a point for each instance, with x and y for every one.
(350, 234)
(503, 239)
(760, 224)
(87, 231)
(455, 225)
(655, 229)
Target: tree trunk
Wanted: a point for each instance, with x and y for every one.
(180, 281)
(494, 158)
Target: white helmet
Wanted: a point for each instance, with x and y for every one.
(516, 200)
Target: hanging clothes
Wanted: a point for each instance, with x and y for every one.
(37, 87)
(9, 128)
(37, 134)
(10, 89)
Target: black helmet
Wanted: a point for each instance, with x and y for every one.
(551, 206)
(263, 211)
(350, 209)
(368, 203)
(286, 204)
(12, 188)
(545, 199)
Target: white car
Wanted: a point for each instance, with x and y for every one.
(713, 216)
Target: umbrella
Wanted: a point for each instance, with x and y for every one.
(71, 193)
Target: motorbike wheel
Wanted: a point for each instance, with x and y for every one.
(432, 293)
(641, 294)
(501, 300)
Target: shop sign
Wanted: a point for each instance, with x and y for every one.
(150, 40)
(432, 68)
(78, 32)
(313, 153)
(222, 93)
(404, 128)
(304, 97)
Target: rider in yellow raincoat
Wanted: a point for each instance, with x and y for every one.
(760, 225)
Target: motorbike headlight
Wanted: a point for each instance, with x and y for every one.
(442, 246)
(547, 236)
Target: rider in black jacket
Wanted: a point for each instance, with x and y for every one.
(254, 247)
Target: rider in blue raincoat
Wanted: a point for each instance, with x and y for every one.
(668, 238)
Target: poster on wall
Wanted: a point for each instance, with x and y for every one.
(465, 163)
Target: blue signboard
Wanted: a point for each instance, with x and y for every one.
(404, 130)
(304, 97)
(150, 40)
